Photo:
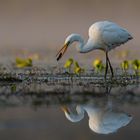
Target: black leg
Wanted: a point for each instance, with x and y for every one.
(111, 68)
(106, 68)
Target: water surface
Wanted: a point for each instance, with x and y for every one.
(103, 113)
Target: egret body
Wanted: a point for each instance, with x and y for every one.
(103, 35)
(102, 120)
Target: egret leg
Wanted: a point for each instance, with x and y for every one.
(111, 68)
(106, 68)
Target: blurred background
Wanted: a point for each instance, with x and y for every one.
(41, 26)
(37, 29)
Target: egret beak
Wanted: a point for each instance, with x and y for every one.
(65, 109)
(62, 51)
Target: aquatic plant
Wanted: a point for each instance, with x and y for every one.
(136, 66)
(77, 68)
(125, 65)
(34, 56)
(123, 54)
(21, 63)
(98, 65)
(68, 64)
(13, 88)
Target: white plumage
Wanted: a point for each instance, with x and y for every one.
(108, 35)
(103, 119)
(103, 35)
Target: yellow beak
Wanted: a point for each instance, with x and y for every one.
(65, 109)
(61, 51)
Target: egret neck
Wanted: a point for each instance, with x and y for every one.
(82, 47)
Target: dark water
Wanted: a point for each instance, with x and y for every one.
(39, 113)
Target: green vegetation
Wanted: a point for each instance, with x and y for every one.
(68, 64)
(136, 66)
(98, 65)
(21, 63)
(72, 66)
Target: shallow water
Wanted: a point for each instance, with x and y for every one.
(70, 113)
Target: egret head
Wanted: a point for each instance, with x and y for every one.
(73, 114)
(68, 41)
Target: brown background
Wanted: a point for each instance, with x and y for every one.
(44, 24)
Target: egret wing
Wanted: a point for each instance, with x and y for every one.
(113, 35)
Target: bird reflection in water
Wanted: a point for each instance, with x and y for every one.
(104, 116)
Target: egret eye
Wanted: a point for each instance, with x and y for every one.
(68, 43)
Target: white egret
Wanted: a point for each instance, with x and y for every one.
(103, 119)
(103, 35)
